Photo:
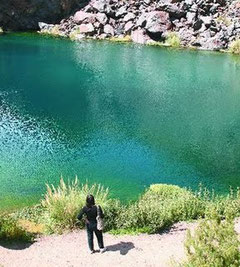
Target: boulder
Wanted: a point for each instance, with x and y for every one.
(86, 28)
(102, 18)
(207, 20)
(141, 21)
(99, 5)
(128, 26)
(108, 29)
(129, 16)
(190, 16)
(121, 11)
(139, 36)
(157, 22)
(197, 25)
(81, 16)
(175, 12)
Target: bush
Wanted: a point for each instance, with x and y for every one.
(214, 243)
(159, 207)
(173, 39)
(10, 230)
(235, 47)
(33, 214)
(63, 203)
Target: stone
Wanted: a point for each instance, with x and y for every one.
(189, 2)
(99, 5)
(197, 25)
(108, 29)
(139, 36)
(129, 16)
(121, 12)
(207, 20)
(86, 28)
(175, 12)
(141, 21)
(45, 26)
(190, 16)
(102, 18)
(128, 26)
(80, 16)
(157, 22)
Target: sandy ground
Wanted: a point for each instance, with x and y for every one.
(71, 250)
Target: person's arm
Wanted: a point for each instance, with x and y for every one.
(80, 215)
(101, 214)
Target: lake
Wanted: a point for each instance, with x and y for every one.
(122, 115)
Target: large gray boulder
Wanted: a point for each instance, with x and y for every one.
(81, 16)
(157, 22)
(139, 36)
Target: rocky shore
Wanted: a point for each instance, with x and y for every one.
(204, 24)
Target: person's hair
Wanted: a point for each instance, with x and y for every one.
(90, 201)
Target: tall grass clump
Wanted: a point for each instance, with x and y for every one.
(159, 207)
(62, 203)
(235, 47)
(173, 39)
(10, 230)
(213, 243)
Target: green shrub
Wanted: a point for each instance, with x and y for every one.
(213, 243)
(112, 214)
(159, 207)
(10, 230)
(235, 47)
(33, 214)
(63, 203)
(173, 39)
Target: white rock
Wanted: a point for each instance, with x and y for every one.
(108, 29)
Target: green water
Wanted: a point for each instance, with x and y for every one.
(120, 114)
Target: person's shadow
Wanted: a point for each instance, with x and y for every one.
(123, 247)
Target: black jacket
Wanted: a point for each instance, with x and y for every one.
(91, 213)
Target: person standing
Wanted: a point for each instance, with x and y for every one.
(92, 211)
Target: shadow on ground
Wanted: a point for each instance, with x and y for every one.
(15, 245)
(123, 247)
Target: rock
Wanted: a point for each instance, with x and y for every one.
(121, 12)
(80, 16)
(86, 28)
(128, 26)
(108, 29)
(1, 30)
(99, 5)
(129, 16)
(139, 36)
(157, 22)
(102, 18)
(197, 25)
(190, 17)
(45, 26)
(175, 12)
(207, 20)
(141, 21)
(189, 2)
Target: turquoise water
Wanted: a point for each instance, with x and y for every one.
(122, 115)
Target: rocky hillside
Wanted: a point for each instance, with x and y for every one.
(25, 14)
(205, 24)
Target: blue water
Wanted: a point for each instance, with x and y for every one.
(122, 115)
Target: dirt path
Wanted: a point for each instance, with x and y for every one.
(71, 250)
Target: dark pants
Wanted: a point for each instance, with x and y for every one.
(92, 227)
